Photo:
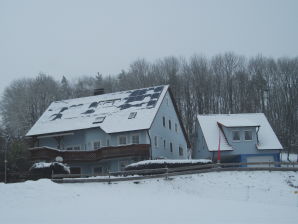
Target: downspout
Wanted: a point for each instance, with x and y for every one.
(150, 149)
(257, 134)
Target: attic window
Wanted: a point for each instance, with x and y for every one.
(132, 115)
(99, 120)
(236, 136)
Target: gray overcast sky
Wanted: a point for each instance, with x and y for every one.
(75, 38)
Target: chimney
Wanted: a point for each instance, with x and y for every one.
(97, 92)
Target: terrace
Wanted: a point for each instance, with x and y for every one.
(49, 154)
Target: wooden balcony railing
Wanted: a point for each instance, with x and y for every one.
(49, 154)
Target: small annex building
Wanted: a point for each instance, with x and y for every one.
(106, 132)
(239, 137)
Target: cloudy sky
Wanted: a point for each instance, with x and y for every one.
(73, 38)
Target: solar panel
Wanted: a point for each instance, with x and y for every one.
(138, 92)
(135, 98)
(124, 106)
(57, 116)
(63, 109)
(155, 95)
(151, 103)
(94, 104)
(89, 111)
(158, 89)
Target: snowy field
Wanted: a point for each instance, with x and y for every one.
(226, 197)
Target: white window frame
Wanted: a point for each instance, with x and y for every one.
(248, 140)
(164, 121)
(108, 142)
(119, 137)
(135, 135)
(155, 141)
(96, 142)
(180, 147)
(233, 135)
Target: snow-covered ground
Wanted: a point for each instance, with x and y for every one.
(226, 197)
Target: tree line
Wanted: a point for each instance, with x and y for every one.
(226, 83)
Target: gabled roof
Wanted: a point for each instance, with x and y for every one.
(110, 112)
(211, 130)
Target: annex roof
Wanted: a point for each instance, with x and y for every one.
(113, 112)
(210, 129)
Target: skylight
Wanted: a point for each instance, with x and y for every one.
(132, 115)
(99, 120)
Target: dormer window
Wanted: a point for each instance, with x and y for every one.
(132, 115)
(247, 135)
(236, 136)
(99, 120)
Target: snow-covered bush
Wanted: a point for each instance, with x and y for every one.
(45, 170)
(163, 163)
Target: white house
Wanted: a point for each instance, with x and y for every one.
(106, 132)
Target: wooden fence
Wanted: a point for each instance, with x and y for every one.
(167, 172)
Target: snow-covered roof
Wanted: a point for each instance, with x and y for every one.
(239, 122)
(211, 130)
(114, 112)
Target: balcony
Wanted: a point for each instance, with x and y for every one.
(49, 154)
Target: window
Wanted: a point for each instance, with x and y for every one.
(180, 151)
(99, 120)
(236, 135)
(97, 170)
(171, 147)
(170, 124)
(164, 121)
(247, 135)
(155, 141)
(75, 170)
(135, 139)
(122, 140)
(176, 127)
(77, 147)
(132, 115)
(164, 144)
(108, 142)
(96, 145)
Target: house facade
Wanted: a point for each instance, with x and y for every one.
(102, 133)
(238, 137)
